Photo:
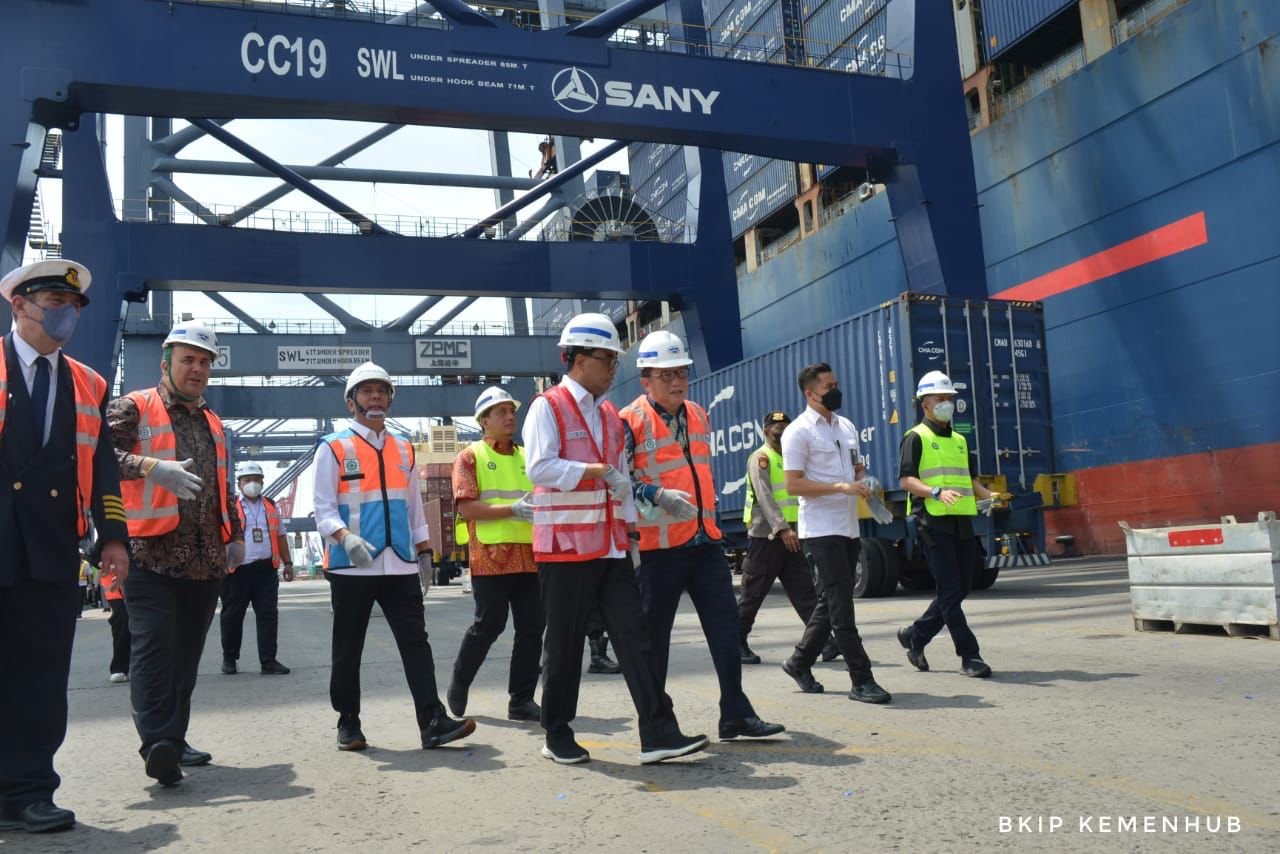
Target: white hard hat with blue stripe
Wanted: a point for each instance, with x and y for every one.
(591, 331)
(936, 382)
(491, 397)
(662, 349)
(193, 333)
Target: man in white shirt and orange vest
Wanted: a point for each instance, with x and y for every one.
(669, 444)
(369, 509)
(574, 451)
(57, 477)
(184, 534)
(255, 582)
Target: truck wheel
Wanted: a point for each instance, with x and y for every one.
(983, 576)
(868, 575)
(886, 555)
(913, 573)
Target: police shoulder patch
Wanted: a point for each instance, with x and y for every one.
(762, 461)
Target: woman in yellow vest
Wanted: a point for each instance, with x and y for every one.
(937, 472)
(492, 492)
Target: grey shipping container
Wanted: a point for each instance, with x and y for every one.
(763, 39)
(739, 167)
(644, 159)
(762, 194)
(736, 19)
(1006, 22)
(663, 186)
(995, 348)
(864, 51)
(833, 22)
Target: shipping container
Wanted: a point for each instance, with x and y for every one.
(664, 185)
(763, 193)
(736, 19)
(762, 41)
(646, 159)
(739, 167)
(864, 51)
(829, 24)
(1006, 22)
(967, 40)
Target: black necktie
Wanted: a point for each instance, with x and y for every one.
(40, 397)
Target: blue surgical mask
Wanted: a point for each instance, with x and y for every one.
(58, 323)
(943, 410)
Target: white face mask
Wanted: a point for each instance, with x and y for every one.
(252, 489)
(943, 410)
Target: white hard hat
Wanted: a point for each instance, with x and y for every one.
(662, 349)
(58, 275)
(936, 382)
(249, 469)
(591, 331)
(491, 397)
(369, 371)
(193, 333)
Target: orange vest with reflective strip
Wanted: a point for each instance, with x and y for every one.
(659, 459)
(152, 509)
(583, 523)
(90, 388)
(373, 494)
(273, 528)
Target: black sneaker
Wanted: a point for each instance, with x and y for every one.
(162, 762)
(870, 692)
(274, 668)
(671, 747)
(749, 727)
(526, 711)
(803, 676)
(568, 753)
(830, 650)
(229, 666)
(350, 737)
(748, 657)
(975, 667)
(444, 729)
(915, 656)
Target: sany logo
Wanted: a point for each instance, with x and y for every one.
(578, 92)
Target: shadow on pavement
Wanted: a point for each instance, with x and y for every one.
(86, 837)
(459, 756)
(218, 785)
(1046, 678)
(714, 768)
(912, 702)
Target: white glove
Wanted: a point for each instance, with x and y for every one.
(677, 503)
(177, 478)
(425, 571)
(360, 552)
(235, 554)
(619, 483)
(523, 508)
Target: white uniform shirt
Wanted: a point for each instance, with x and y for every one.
(825, 453)
(255, 516)
(543, 463)
(328, 520)
(27, 358)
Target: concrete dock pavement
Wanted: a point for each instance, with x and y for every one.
(1087, 732)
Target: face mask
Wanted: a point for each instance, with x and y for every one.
(943, 411)
(252, 489)
(832, 400)
(58, 323)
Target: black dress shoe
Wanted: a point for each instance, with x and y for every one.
(671, 747)
(803, 676)
(869, 692)
(38, 817)
(229, 666)
(915, 656)
(192, 757)
(274, 668)
(748, 657)
(975, 667)
(163, 762)
(526, 711)
(444, 729)
(350, 736)
(749, 727)
(456, 697)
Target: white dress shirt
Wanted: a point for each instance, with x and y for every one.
(328, 520)
(826, 453)
(255, 516)
(27, 358)
(543, 463)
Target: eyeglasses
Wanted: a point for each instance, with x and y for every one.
(668, 376)
(609, 362)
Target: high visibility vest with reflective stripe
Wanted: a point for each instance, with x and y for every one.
(502, 480)
(944, 462)
(373, 494)
(273, 527)
(659, 459)
(583, 523)
(788, 503)
(89, 391)
(152, 509)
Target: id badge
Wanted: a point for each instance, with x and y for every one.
(257, 535)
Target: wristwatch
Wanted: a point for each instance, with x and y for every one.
(936, 492)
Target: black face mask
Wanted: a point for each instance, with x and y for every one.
(832, 400)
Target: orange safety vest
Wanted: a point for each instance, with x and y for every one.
(659, 459)
(583, 523)
(373, 494)
(112, 588)
(90, 388)
(273, 528)
(153, 510)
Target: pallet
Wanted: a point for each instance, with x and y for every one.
(1234, 630)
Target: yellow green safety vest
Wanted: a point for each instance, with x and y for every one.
(944, 462)
(789, 503)
(502, 480)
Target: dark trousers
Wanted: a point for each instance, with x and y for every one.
(569, 591)
(168, 620)
(400, 598)
(665, 574)
(768, 560)
(120, 637)
(495, 595)
(252, 584)
(951, 559)
(835, 558)
(37, 625)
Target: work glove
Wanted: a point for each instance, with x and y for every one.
(619, 484)
(235, 553)
(177, 478)
(677, 503)
(425, 571)
(998, 499)
(523, 508)
(358, 550)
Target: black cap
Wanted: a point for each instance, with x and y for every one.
(776, 416)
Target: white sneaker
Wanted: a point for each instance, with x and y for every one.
(119, 677)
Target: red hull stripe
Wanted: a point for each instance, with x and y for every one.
(1186, 233)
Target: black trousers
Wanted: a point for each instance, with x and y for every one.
(400, 598)
(951, 559)
(254, 584)
(495, 595)
(120, 637)
(37, 625)
(569, 591)
(768, 560)
(835, 558)
(169, 619)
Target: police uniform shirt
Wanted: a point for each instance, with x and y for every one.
(27, 356)
(909, 466)
(825, 453)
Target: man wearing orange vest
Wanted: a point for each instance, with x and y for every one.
(57, 476)
(669, 443)
(574, 452)
(184, 534)
(266, 549)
